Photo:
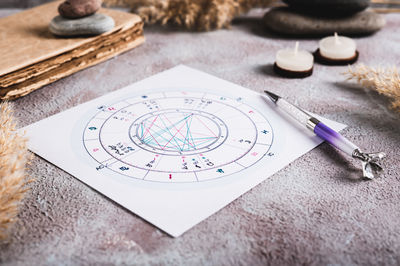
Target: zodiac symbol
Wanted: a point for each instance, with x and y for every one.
(99, 167)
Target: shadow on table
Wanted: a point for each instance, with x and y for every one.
(370, 96)
(267, 69)
(350, 169)
(379, 119)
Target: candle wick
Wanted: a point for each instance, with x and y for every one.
(337, 41)
(296, 48)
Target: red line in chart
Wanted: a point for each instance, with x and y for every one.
(150, 126)
(177, 129)
(173, 136)
(207, 127)
(156, 140)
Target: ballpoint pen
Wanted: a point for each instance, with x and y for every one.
(370, 161)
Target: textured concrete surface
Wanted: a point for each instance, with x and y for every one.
(315, 211)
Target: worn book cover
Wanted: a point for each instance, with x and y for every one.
(33, 57)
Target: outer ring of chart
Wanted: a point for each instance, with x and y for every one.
(166, 182)
(214, 167)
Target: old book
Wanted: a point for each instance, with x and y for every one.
(32, 57)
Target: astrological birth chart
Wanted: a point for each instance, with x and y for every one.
(173, 148)
(177, 136)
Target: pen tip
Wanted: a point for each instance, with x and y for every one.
(272, 96)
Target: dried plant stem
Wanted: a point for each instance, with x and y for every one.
(385, 81)
(201, 15)
(14, 157)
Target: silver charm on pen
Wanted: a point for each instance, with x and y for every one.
(370, 161)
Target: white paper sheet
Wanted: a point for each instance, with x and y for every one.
(173, 148)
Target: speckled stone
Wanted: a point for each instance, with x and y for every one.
(286, 21)
(91, 25)
(78, 8)
(330, 8)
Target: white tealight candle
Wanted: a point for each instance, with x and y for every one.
(294, 59)
(337, 47)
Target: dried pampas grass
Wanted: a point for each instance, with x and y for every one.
(385, 81)
(14, 157)
(201, 15)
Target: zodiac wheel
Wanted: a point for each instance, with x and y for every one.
(178, 132)
(177, 136)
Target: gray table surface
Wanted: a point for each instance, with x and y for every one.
(315, 211)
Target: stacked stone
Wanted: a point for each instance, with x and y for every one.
(324, 17)
(79, 18)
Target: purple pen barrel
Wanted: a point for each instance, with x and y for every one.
(334, 138)
(319, 128)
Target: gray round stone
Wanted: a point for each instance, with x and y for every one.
(286, 21)
(92, 25)
(330, 8)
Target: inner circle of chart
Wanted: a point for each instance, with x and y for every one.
(178, 132)
(177, 136)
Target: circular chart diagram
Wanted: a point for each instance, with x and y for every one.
(177, 136)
